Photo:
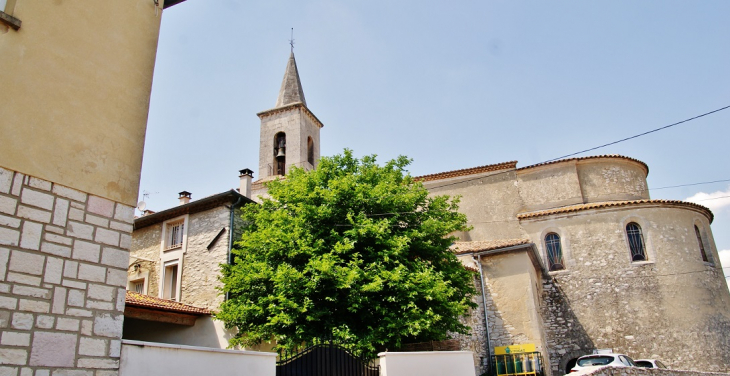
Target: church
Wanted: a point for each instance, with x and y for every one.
(572, 256)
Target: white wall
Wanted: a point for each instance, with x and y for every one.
(431, 363)
(149, 358)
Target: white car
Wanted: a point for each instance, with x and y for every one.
(649, 363)
(591, 362)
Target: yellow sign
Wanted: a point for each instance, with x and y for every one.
(514, 349)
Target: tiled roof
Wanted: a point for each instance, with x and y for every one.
(615, 156)
(145, 301)
(205, 203)
(600, 205)
(468, 171)
(486, 245)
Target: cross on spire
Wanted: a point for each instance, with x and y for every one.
(291, 41)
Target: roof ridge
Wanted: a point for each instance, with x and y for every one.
(609, 204)
(619, 156)
(467, 171)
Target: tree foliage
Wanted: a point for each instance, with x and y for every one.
(352, 251)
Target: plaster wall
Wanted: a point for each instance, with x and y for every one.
(612, 179)
(513, 289)
(205, 333)
(90, 69)
(145, 358)
(673, 307)
(490, 201)
(549, 186)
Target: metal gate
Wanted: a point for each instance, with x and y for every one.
(324, 360)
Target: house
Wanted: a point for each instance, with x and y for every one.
(572, 255)
(76, 80)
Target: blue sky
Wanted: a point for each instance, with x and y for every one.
(451, 85)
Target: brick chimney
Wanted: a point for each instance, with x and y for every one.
(184, 197)
(246, 177)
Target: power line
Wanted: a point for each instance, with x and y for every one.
(597, 147)
(641, 134)
(689, 185)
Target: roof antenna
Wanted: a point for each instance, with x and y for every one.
(291, 41)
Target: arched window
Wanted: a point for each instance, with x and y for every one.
(554, 252)
(636, 242)
(280, 154)
(702, 245)
(310, 151)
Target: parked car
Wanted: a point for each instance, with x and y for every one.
(590, 362)
(650, 363)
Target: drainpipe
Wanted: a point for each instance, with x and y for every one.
(478, 261)
(230, 235)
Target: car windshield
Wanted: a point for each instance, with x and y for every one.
(644, 363)
(595, 361)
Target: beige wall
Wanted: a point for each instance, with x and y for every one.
(75, 92)
(490, 201)
(297, 124)
(612, 179)
(549, 186)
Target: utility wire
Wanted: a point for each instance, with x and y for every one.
(596, 147)
(689, 185)
(640, 134)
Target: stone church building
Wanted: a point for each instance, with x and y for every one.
(572, 255)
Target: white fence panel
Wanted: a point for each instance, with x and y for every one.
(149, 358)
(427, 363)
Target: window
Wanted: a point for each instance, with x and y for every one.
(310, 151)
(170, 281)
(2, 5)
(280, 154)
(138, 286)
(175, 233)
(6, 14)
(636, 242)
(702, 245)
(554, 252)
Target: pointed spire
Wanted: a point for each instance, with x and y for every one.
(291, 88)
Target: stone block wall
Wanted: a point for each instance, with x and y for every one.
(631, 371)
(63, 271)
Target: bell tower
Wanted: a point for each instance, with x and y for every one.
(289, 131)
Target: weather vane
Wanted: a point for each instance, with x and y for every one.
(291, 41)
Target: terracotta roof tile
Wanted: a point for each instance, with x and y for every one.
(145, 301)
(616, 156)
(600, 205)
(485, 245)
(468, 171)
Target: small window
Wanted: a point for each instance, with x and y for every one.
(280, 154)
(310, 151)
(702, 245)
(636, 242)
(138, 286)
(554, 252)
(2, 5)
(170, 287)
(175, 235)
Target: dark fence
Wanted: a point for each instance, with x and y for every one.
(324, 360)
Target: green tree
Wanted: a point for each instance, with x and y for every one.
(352, 251)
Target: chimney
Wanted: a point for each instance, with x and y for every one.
(246, 177)
(184, 197)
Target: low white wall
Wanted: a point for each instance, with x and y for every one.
(427, 363)
(149, 358)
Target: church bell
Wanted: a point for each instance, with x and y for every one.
(280, 153)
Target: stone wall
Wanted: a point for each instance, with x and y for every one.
(63, 262)
(476, 340)
(673, 307)
(206, 248)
